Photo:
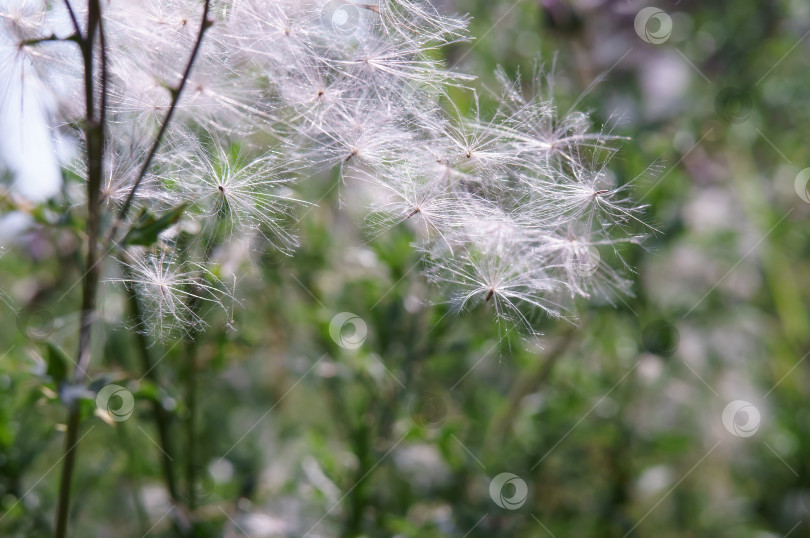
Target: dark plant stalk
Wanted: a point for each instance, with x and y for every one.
(176, 92)
(94, 133)
(191, 424)
(192, 365)
(63, 503)
(161, 416)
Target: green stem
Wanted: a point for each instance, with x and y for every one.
(191, 423)
(176, 92)
(192, 365)
(63, 504)
(134, 482)
(502, 422)
(161, 416)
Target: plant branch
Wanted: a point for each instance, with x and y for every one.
(502, 422)
(63, 504)
(94, 133)
(51, 38)
(74, 20)
(191, 423)
(162, 417)
(192, 365)
(176, 92)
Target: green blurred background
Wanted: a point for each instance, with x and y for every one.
(614, 424)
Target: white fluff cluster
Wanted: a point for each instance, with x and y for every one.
(513, 209)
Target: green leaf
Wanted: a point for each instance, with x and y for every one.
(58, 362)
(148, 227)
(148, 391)
(87, 408)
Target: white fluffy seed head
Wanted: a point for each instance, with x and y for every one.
(174, 294)
(507, 207)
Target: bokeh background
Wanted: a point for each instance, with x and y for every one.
(615, 423)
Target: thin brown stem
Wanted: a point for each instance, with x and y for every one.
(94, 133)
(95, 121)
(176, 92)
(67, 472)
(74, 20)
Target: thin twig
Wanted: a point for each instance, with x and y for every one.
(74, 20)
(502, 421)
(94, 132)
(50, 38)
(176, 92)
(191, 423)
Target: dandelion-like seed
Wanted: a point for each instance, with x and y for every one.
(204, 120)
(285, 89)
(173, 292)
(430, 206)
(502, 276)
(246, 195)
